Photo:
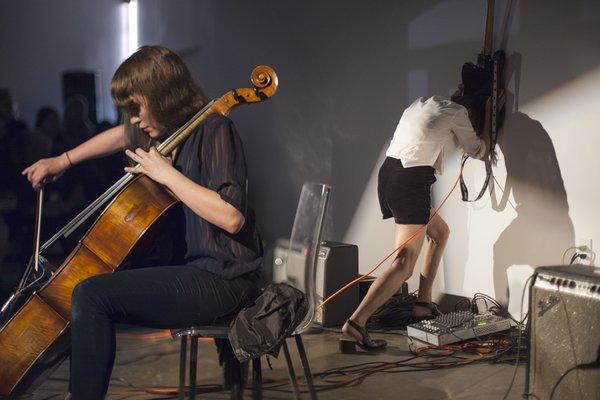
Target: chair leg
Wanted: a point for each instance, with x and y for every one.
(182, 365)
(256, 379)
(238, 383)
(306, 367)
(193, 365)
(291, 372)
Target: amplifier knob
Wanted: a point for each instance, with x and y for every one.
(593, 288)
(572, 284)
(558, 281)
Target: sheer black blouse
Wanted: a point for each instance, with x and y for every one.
(213, 157)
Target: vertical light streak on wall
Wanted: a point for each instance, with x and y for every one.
(129, 28)
(133, 26)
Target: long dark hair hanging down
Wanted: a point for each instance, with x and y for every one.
(477, 88)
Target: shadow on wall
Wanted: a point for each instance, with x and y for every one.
(542, 228)
(344, 81)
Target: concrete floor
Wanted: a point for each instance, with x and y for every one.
(154, 363)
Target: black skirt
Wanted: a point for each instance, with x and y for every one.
(405, 193)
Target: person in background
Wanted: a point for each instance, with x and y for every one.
(47, 125)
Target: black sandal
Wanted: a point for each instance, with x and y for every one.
(348, 346)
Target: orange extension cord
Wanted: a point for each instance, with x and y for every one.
(480, 349)
(411, 237)
(167, 333)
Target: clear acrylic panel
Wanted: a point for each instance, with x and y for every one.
(305, 239)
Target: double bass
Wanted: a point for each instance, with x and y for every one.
(35, 339)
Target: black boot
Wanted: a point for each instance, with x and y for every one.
(235, 374)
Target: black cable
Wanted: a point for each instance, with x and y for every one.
(394, 314)
(592, 365)
(569, 331)
(497, 309)
(561, 378)
(530, 395)
(583, 256)
(512, 381)
(504, 346)
(462, 301)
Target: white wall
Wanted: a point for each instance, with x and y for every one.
(347, 69)
(547, 162)
(547, 154)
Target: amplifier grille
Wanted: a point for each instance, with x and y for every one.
(565, 332)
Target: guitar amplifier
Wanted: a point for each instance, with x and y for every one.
(337, 264)
(564, 333)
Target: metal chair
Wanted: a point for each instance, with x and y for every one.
(300, 265)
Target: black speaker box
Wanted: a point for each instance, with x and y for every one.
(81, 83)
(337, 264)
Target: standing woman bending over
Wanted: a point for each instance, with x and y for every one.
(427, 127)
(155, 89)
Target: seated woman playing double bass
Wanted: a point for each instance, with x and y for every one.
(156, 92)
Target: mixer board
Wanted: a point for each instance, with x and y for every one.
(457, 327)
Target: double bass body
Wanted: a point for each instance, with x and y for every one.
(36, 339)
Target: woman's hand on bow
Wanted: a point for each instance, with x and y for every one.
(46, 170)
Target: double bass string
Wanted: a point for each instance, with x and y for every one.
(182, 129)
(88, 211)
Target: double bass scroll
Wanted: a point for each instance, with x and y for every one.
(264, 81)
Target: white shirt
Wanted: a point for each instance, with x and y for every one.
(428, 126)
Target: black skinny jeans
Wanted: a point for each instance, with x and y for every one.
(156, 297)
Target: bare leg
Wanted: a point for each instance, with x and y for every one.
(388, 283)
(437, 234)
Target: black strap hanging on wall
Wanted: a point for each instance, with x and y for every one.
(463, 187)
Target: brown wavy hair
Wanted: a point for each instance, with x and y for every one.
(162, 78)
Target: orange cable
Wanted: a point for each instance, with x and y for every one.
(362, 277)
(165, 333)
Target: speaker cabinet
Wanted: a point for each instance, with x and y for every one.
(337, 264)
(82, 84)
(564, 333)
